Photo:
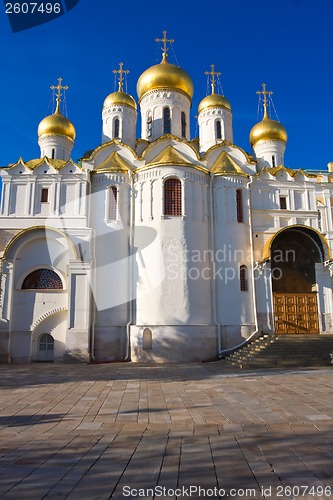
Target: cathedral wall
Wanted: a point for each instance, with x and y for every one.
(207, 127)
(174, 343)
(234, 288)
(112, 292)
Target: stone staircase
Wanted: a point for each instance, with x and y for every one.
(270, 351)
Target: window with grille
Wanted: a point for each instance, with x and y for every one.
(116, 128)
(149, 124)
(283, 202)
(243, 278)
(166, 121)
(44, 198)
(183, 124)
(113, 205)
(173, 197)
(42, 279)
(239, 205)
(218, 129)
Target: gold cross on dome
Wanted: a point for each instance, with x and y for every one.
(265, 93)
(59, 87)
(165, 41)
(213, 73)
(121, 72)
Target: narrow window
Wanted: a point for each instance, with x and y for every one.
(149, 124)
(183, 120)
(283, 202)
(173, 197)
(166, 121)
(116, 128)
(113, 206)
(53, 153)
(273, 161)
(239, 205)
(218, 129)
(243, 279)
(44, 195)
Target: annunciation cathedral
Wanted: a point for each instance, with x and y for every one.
(161, 248)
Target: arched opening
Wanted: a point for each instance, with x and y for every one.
(147, 340)
(42, 279)
(45, 348)
(173, 197)
(218, 129)
(294, 255)
(116, 128)
(166, 121)
(183, 125)
(243, 279)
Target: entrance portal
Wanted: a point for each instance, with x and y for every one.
(294, 253)
(45, 348)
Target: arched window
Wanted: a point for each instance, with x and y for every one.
(183, 124)
(273, 161)
(218, 129)
(53, 153)
(149, 124)
(116, 128)
(166, 121)
(239, 205)
(243, 279)
(113, 203)
(173, 197)
(42, 279)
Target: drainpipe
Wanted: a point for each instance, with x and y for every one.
(93, 275)
(131, 257)
(225, 352)
(212, 243)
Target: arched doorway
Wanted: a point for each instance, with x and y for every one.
(45, 348)
(295, 252)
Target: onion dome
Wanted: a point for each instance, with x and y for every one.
(56, 124)
(268, 129)
(119, 98)
(165, 76)
(214, 101)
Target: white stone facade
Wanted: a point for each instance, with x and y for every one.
(158, 249)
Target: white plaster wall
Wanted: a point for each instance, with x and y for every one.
(155, 101)
(61, 145)
(207, 133)
(265, 150)
(111, 281)
(127, 124)
(172, 289)
(235, 308)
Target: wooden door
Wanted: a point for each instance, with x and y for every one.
(296, 313)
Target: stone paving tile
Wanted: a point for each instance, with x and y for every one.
(89, 431)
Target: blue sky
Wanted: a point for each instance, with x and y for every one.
(285, 43)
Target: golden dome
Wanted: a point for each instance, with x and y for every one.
(268, 129)
(56, 124)
(119, 98)
(214, 101)
(165, 76)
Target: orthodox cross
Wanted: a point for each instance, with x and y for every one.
(213, 73)
(121, 72)
(265, 93)
(165, 41)
(59, 87)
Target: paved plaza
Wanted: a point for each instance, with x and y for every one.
(165, 431)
